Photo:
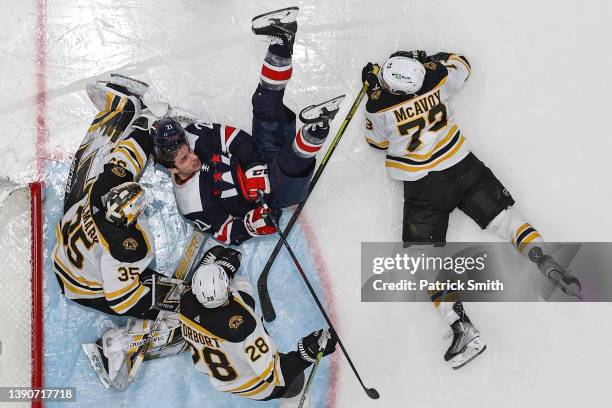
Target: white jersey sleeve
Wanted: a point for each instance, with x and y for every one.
(376, 131)
(121, 266)
(459, 71)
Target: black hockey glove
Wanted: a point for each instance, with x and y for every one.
(418, 55)
(212, 254)
(308, 346)
(440, 56)
(368, 74)
(229, 260)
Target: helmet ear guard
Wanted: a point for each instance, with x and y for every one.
(124, 203)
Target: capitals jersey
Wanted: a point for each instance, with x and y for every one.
(212, 197)
(419, 131)
(94, 258)
(231, 345)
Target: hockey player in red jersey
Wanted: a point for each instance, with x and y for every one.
(408, 115)
(218, 169)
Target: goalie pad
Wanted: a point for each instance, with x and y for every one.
(120, 344)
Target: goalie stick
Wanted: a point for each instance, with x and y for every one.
(185, 269)
(267, 308)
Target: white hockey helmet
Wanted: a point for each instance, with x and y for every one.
(124, 203)
(402, 75)
(210, 285)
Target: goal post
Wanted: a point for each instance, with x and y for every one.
(21, 287)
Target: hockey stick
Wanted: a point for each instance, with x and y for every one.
(322, 345)
(267, 308)
(371, 392)
(185, 269)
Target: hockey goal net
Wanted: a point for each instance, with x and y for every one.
(21, 287)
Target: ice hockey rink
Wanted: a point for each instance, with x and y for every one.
(534, 110)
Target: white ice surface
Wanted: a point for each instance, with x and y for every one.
(534, 111)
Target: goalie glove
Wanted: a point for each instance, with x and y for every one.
(256, 222)
(309, 346)
(253, 179)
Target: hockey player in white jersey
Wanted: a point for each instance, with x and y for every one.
(230, 344)
(104, 246)
(408, 115)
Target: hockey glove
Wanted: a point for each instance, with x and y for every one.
(253, 179)
(229, 260)
(418, 55)
(308, 346)
(369, 74)
(256, 223)
(440, 57)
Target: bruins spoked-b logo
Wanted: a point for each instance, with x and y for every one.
(430, 65)
(118, 171)
(235, 321)
(130, 244)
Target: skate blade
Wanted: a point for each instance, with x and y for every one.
(311, 114)
(285, 15)
(470, 359)
(92, 352)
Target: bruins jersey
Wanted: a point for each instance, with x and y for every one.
(94, 258)
(231, 345)
(418, 131)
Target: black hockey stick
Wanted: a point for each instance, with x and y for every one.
(371, 392)
(267, 308)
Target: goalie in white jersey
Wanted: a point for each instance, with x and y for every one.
(408, 116)
(104, 246)
(230, 343)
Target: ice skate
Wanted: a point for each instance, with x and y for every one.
(134, 86)
(466, 344)
(279, 26)
(321, 113)
(99, 362)
(98, 91)
(568, 283)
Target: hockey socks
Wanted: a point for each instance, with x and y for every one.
(310, 139)
(275, 71)
(509, 224)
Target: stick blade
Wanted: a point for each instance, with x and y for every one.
(372, 393)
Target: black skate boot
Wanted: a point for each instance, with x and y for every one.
(568, 283)
(279, 26)
(322, 113)
(466, 343)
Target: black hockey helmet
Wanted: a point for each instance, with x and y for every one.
(168, 136)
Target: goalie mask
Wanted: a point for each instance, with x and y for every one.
(124, 203)
(210, 285)
(402, 75)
